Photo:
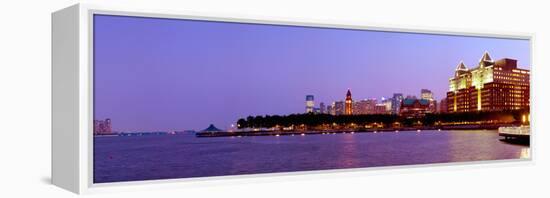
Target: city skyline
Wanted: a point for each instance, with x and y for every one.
(165, 74)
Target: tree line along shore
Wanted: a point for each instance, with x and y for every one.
(321, 122)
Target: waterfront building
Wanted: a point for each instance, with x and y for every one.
(310, 103)
(330, 109)
(365, 106)
(426, 94)
(396, 102)
(322, 108)
(412, 107)
(443, 106)
(491, 86)
(388, 104)
(380, 108)
(349, 103)
(338, 108)
(103, 127)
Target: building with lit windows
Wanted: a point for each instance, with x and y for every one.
(428, 95)
(491, 86)
(330, 109)
(349, 104)
(322, 108)
(310, 103)
(396, 102)
(387, 104)
(412, 107)
(443, 106)
(338, 108)
(365, 106)
(381, 108)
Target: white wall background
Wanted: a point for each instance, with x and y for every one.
(25, 99)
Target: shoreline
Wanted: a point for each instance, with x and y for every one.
(339, 131)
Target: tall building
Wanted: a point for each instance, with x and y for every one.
(443, 106)
(349, 103)
(102, 127)
(491, 86)
(396, 102)
(330, 109)
(338, 108)
(387, 104)
(426, 94)
(380, 108)
(365, 106)
(310, 103)
(322, 107)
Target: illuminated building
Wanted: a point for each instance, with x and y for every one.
(322, 108)
(426, 94)
(310, 103)
(396, 102)
(338, 107)
(387, 104)
(380, 108)
(102, 127)
(412, 107)
(330, 109)
(491, 86)
(443, 106)
(349, 104)
(365, 106)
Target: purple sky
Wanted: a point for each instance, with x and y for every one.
(166, 74)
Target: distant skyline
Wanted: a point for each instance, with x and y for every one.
(153, 74)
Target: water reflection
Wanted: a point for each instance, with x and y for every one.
(348, 155)
(184, 156)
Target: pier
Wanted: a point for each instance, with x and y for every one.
(340, 131)
(519, 134)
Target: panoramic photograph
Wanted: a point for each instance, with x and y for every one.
(177, 98)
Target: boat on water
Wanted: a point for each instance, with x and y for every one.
(515, 132)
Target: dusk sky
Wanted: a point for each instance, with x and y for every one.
(154, 74)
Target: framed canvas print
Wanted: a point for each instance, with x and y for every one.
(156, 96)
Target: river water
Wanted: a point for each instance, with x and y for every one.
(136, 158)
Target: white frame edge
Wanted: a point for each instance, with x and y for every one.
(72, 99)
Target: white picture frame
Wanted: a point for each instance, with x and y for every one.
(72, 99)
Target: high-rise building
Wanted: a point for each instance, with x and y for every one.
(380, 108)
(322, 108)
(339, 108)
(426, 94)
(396, 102)
(102, 127)
(330, 109)
(310, 103)
(443, 106)
(388, 104)
(349, 103)
(365, 106)
(491, 86)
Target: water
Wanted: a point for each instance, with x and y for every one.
(182, 156)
